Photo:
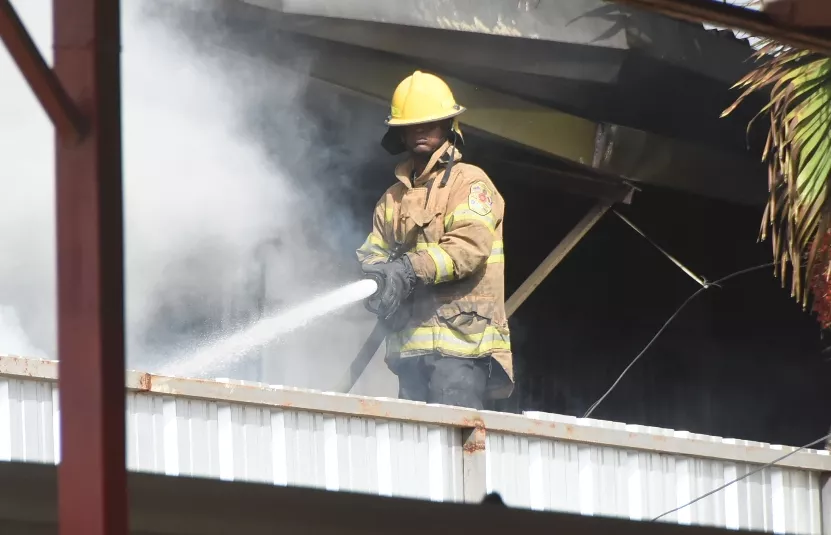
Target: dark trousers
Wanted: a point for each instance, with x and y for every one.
(444, 380)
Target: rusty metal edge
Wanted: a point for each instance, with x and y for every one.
(23, 367)
(349, 405)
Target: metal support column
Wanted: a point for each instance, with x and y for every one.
(92, 484)
(474, 463)
(82, 97)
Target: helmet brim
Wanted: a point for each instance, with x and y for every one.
(390, 121)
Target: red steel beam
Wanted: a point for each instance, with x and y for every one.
(59, 107)
(92, 483)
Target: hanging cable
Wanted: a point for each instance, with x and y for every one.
(661, 330)
(701, 281)
(745, 476)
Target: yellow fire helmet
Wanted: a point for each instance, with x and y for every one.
(420, 98)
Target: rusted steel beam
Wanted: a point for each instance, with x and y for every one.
(738, 18)
(92, 485)
(64, 114)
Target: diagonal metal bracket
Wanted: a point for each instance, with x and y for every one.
(556, 256)
(68, 120)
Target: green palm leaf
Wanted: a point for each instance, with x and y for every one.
(798, 155)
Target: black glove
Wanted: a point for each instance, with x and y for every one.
(401, 317)
(397, 283)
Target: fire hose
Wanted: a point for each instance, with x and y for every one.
(376, 337)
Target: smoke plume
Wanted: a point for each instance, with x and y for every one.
(237, 200)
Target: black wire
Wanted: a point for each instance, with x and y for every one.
(661, 330)
(756, 471)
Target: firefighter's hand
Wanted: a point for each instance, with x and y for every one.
(398, 280)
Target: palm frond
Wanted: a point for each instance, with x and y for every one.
(798, 154)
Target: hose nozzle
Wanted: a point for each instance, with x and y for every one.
(379, 283)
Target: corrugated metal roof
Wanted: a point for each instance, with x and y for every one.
(283, 436)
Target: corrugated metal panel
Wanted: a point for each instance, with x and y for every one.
(232, 441)
(295, 437)
(554, 475)
(28, 421)
(250, 443)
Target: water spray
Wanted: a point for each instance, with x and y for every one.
(234, 347)
(377, 280)
(372, 302)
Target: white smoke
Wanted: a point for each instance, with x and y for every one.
(27, 236)
(201, 195)
(12, 337)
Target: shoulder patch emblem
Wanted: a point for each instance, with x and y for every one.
(480, 199)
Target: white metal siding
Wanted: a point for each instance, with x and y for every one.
(28, 421)
(251, 441)
(555, 476)
(178, 436)
(240, 442)
(551, 475)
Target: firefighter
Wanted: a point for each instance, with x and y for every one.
(436, 245)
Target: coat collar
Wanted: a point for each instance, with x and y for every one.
(440, 158)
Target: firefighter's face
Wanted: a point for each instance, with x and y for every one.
(424, 139)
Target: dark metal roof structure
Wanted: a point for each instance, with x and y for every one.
(660, 83)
